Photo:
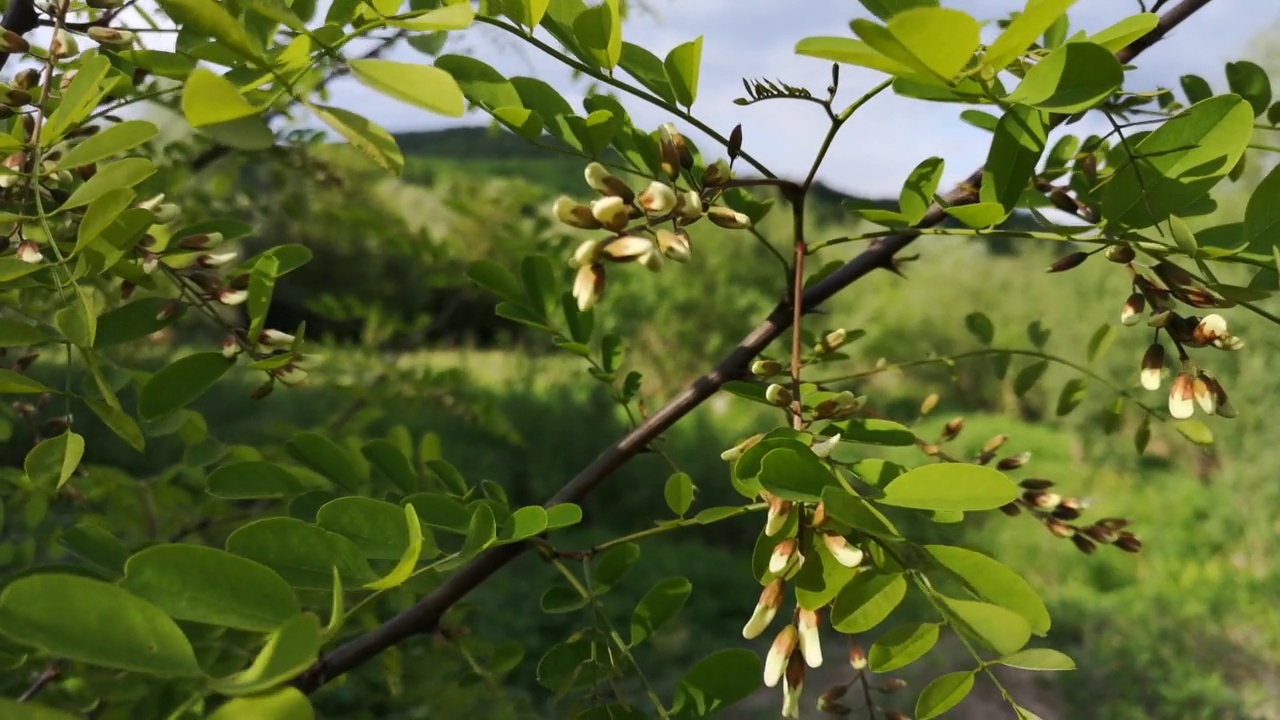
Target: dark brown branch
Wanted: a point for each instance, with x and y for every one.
(425, 616)
(42, 681)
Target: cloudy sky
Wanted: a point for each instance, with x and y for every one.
(874, 153)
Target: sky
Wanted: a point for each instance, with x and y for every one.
(756, 39)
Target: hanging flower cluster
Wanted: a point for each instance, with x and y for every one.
(649, 227)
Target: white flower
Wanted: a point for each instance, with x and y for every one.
(588, 286)
(766, 609)
(775, 661)
(810, 643)
(1182, 403)
(846, 554)
(823, 449)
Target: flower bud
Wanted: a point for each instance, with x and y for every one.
(588, 286)
(291, 375)
(166, 213)
(892, 685)
(110, 36)
(651, 259)
(845, 553)
(1131, 313)
(1011, 509)
(612, 212)
(673, 151)
(628, 247)
(952, 429)
(658, 199)
(782, 554)
(809, 641)
(230, 347)
(819, 515)
(574, 215)
(168, 310)
(1083, 544)
(716, 174)
(1122, 254)
(29, 252)
(1212, 327)
(823, 448)
(1229, 342)
(63, 45)
(689, 206)
(276, 339)
(1069, 261)
(766, 369)
(728, 218)
(857, 657)
(1205, 395)
(28, 78)
(831, 341)
(674, 244)
(216, 260)
(607, 184)
(777, 515)
(1013, 462)
(929, 404)
(1128, 543)
(151, 203)
(1152, 367)
(1182, 404)
(736, 451)
(588, 253)
(232, 296)
(775, 661)
(262, 390)
(766, 608)
(778, 395)
(994, 444)
(792, 687)
(150, 261)
(14, 44)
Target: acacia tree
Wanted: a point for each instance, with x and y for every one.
(96, 261)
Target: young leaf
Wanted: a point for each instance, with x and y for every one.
(1016, 147)
(496, 279)
(1074, 77)
(981, 327)
(124, 173)
(917, 192)
(886, 9)
(1028, 376)
(392, 462)
(682, 67)
(613, 565)
(12, 383)
(598, 30)
(1101, 341)
(873, 431)
(524, 523)
(429, 88)
(97, 546)
(363, 134)
(850, 52)
(1195, 431)
(950, 487)
(1196, 88)
(285, 703)
(1250, 81)
(179, 384)
(114, 140)
(403, 570)
(101, 214)
(1039, 659)
(943, 694)
(933, 42)
(1004, 630)
(1117, 36)
(1035, 18)
(794, 475)
(292, 648)
(648, 70)
(211, 586)
(90, 621)
(866, 601)
(663, 602)
(1073, 392)
(52, 461)
(210, 99)
(210, 18)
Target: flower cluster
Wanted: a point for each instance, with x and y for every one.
(646, 227)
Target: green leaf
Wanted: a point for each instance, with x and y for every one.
(932, 41)
(850, 52)
(978, 215)
(1262, 214)
(663, 602)
(1119, 35)
(293, 647)
(719, 680)
(119, 422)
(981, 327)
(1101, 341)
(179, 383)
(598, 30)
(429, 88)
(943, 694)
(210, 99)
(613, 565)
(303, 554)
(16, 333)
(1179, 162)
(821, 577)
(1028, 376)
(12, 383)
(284, 703)
(648, 70)
(1035, 18)
(325, 457)
(90, 621)
(78, 321)
(25, 710)
(1250, 81)
(119, 174)
(525, 523)
(901, 646)
(114, 140)
(886, 9)
(793, 475)
(101, 214)
(458, 16)
(950, 486)
(1073, 392)
(866, 601)
(403, 570)
(1075, 77)
(375, 526)
(856, 513)
(563, 515)
(391, 462)
(482, 530)
(209, 18)
(682, 67)
(262, 284)
(678, 493)
(1016, 147)
(496, 279)
(211, 586)
(917, 192)
(873, 431)
(1004, 630)
(994, 582)
(1039, 659)
(441, 511)
(1273, 114)
(363, 134)
(78, 100)
(51, 462)
(1194, 431)
(97, 546)
(1196, 88)
(483, 85)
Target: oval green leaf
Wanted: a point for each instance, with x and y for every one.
(950, 486)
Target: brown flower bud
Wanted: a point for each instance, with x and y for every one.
(1122, 254)
(892, 685)
(1084, 544)
(857, 657)
(994, 443)
(13, 43)
(1013, 462)
(1152, 367)
(1011, 509)
(1128, 543)
(952, 429)
(1067, 262)
(1035, 484)
(262, 390)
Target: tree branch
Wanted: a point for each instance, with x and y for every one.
(425, 616)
